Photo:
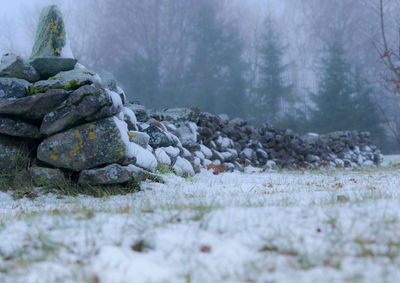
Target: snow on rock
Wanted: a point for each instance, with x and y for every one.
(171, 151)
(206, 151)
(144, 158)
(183, 167)
(162, 157)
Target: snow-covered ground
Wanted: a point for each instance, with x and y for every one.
(330, 226)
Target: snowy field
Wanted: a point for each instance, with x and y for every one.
(329, 226)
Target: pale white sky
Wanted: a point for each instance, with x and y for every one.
(18, 19)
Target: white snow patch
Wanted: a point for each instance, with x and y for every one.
(206, 151)
(144, 158)
(183, 166)
(171, 151)
(162, 157)
(117, 102)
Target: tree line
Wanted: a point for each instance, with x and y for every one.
(195, 53)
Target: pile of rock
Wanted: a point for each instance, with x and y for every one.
(65, 117)
(214, 140)
(70, 119)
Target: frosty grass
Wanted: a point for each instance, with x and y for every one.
(322, 226)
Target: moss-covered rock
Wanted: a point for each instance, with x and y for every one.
(84, 147)
(50, 34)
(70, 80)
(88, 103)
(33, 107)
(13, 88)
(13, 66)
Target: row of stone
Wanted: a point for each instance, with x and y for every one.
(214, 139)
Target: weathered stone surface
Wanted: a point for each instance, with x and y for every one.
(139, 138)
(42, 176)
(33, 107)
(13, 88)
(186, 132)
(112, 174)
(50, 34)
(11, 152)
(18, 128)
(13, 66)
(49, 66)
(70, 80)
(84, 147)
(88, 103)
(158, 138)
(139, 110)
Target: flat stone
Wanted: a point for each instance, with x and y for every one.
(70, 80)
(33, 107)
(88, 103)
(112, 174)
(50, 66)
(85, 147)
(13, 88)
(18, 128)
(13, 66)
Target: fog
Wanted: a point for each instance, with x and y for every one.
(285, 62)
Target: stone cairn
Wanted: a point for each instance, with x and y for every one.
(67, 119)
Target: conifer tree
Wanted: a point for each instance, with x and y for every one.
(271, 91)
(215, 79)
(343, 101)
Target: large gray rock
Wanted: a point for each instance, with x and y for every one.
(112, 174)
(12, 153)
(70, 80)
(18, 128)
(186, 132)
(13, 88)
(158, 137)
(88, 103)
(50, 66)
(85, 147)
(50, 39)
(33, 107)
(13, 66)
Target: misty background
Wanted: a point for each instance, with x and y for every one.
(308, 65)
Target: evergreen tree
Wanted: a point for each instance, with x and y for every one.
(271, 90)
(343, 101)
(215, 79)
